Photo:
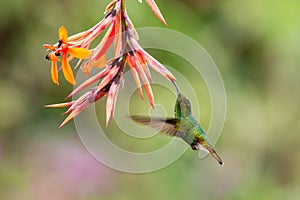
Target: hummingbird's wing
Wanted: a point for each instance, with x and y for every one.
(168, 126)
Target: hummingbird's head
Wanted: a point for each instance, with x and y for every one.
(183, 106)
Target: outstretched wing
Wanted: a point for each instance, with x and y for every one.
(168, 126)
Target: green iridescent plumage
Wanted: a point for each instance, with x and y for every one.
(184, 125)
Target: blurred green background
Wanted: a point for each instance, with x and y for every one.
(256, 46)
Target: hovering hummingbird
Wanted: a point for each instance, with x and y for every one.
(183, 125)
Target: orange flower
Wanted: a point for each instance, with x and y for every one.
(156, 11)
(63, 48)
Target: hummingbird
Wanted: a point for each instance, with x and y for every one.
(183, 125)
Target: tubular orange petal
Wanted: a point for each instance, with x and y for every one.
(78, 36)
(152, 62)
(59, 105)
(110, 102)
(144, 64)
(79, 52)
(67, 71)
(118, 35)
(157, 66)
(105, 43)
(156, 11)
(115, 100)
(135, 76)
(150, 94)
(70, 116)
(146, 85)
(63, 34)
(54, 72)
(95, 31)
(146, 69)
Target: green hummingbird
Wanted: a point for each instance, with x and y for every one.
(183, 125)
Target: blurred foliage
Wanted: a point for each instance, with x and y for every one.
(256, 46)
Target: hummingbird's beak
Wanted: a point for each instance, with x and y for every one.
(216, 156)
(208, 148)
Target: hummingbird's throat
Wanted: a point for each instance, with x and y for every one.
(198, 146)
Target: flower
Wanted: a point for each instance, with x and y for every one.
(64, 48)
(122, 34)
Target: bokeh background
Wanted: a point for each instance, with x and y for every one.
(256, 46)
